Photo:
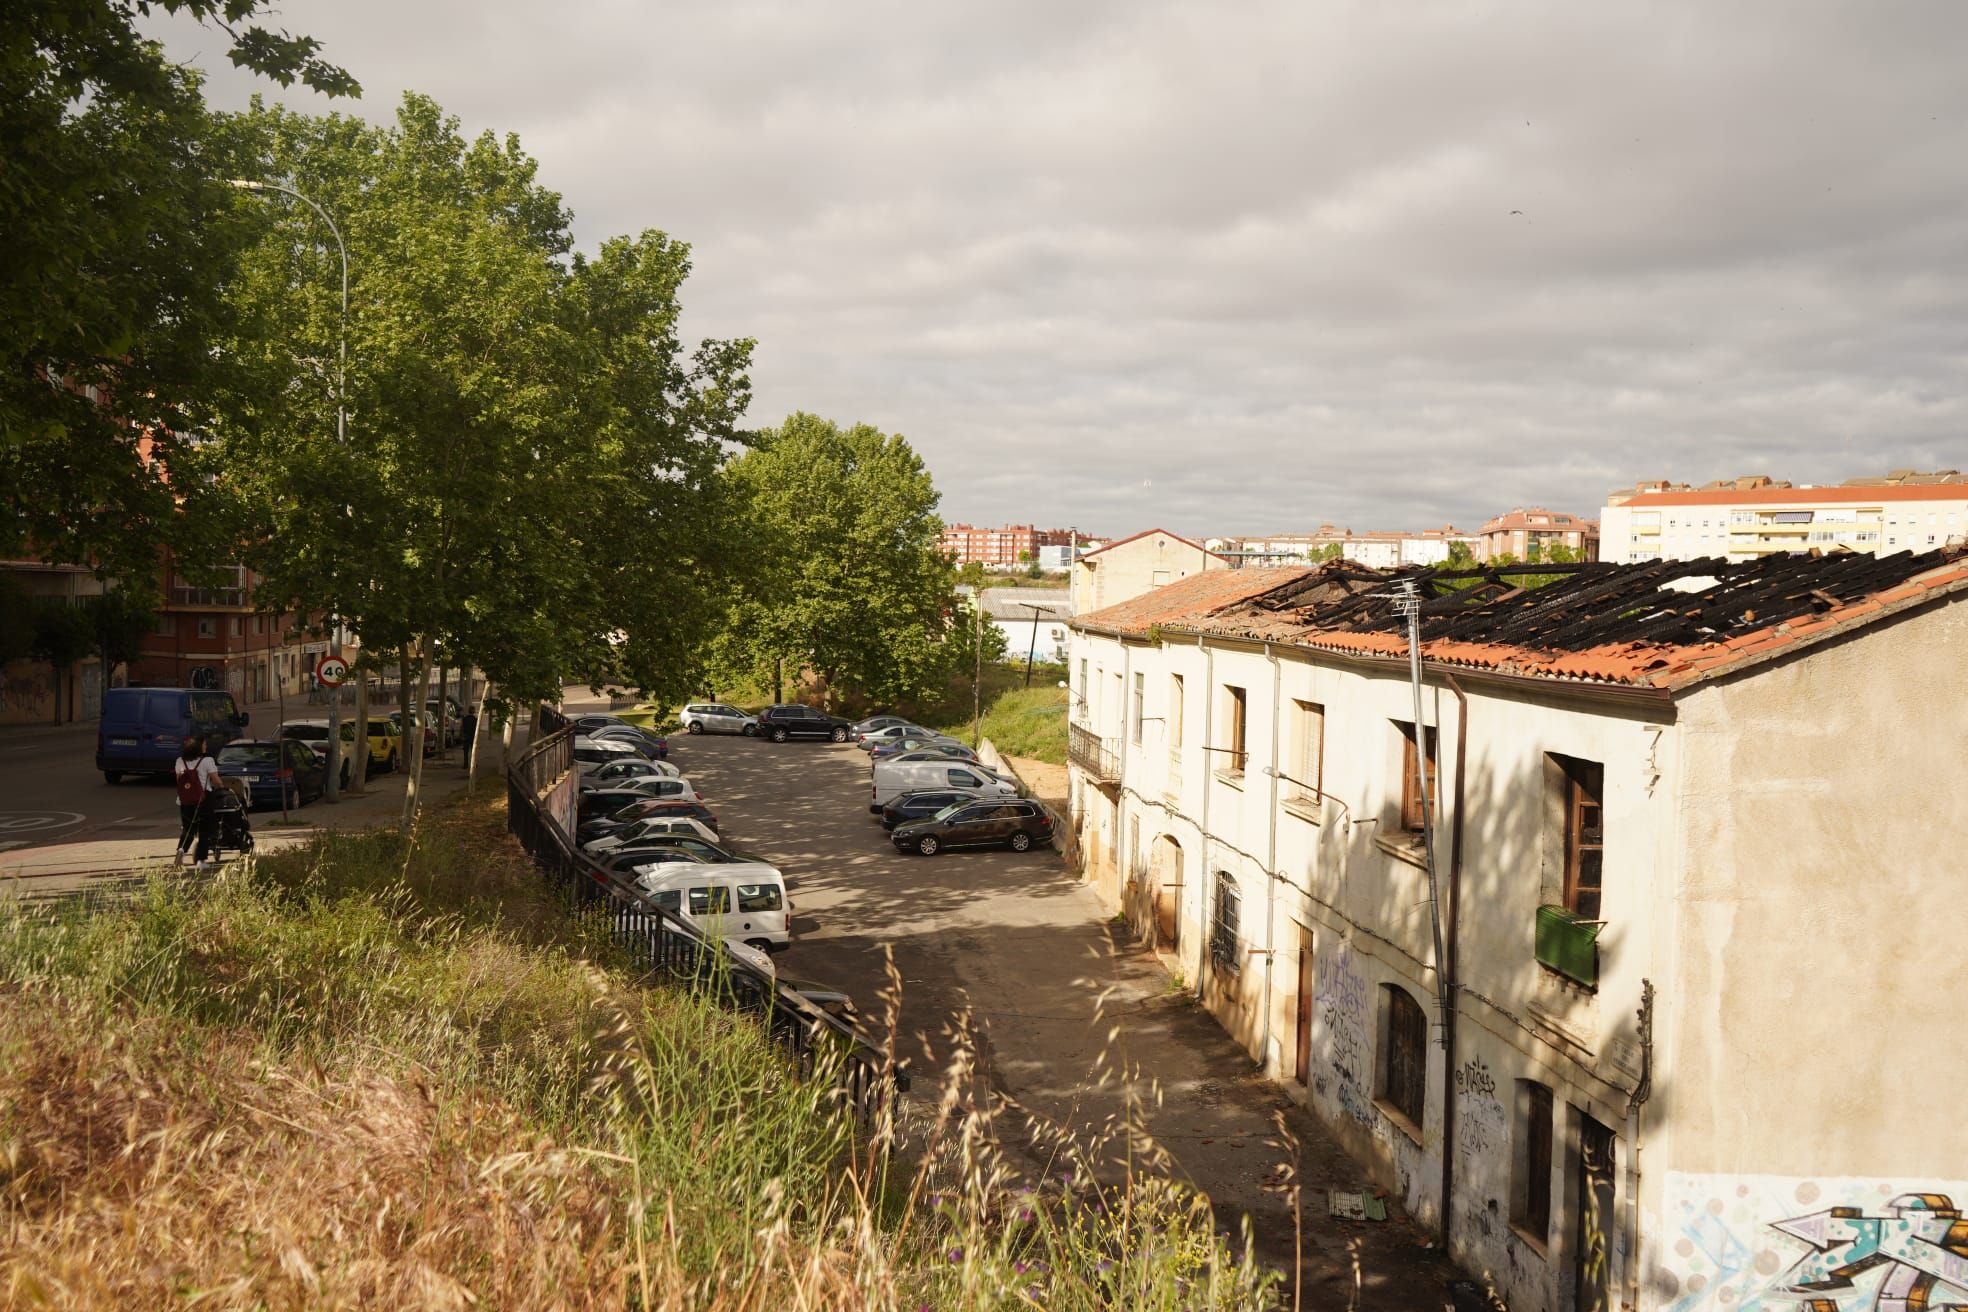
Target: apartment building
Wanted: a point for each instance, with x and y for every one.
(1002, 548)
(1381, 549)
(1614, 953)
(1742, 519)
(213, 636)
(1523, 533)
(1130, 566)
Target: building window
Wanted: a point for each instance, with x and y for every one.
(167, 626)
(1223, 924)
(1530, 1194)
(1083, 688)
(1308, 751)
(1140, 704)
(1175, 713)
(1233, 729)
(208, 628)
(1411, 818)
(1404, 1068)
(1585, 835)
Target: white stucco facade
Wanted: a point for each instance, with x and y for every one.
(1737, 818)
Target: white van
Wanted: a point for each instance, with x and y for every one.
(744, 901)
(893, 778)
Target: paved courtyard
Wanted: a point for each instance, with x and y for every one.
(1072, 1021)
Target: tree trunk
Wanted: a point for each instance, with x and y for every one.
(359, 772)
(443, 672)
(478, 733)
(413, 719)
(778, 681)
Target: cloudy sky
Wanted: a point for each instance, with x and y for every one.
(1247, 267)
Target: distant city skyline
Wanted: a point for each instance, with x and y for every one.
(1245, 270)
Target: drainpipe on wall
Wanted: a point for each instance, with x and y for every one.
(1641, 1092)
(1450, 978)
(1203, 885)
(1270, 866)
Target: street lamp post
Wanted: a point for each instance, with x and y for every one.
(341, 442)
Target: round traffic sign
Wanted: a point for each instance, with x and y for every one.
(331, 671)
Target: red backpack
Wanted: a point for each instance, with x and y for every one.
(191, 789)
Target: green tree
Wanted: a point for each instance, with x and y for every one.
(1460, 557)
(117, 229)
(849, 581)
(119, 619)
(63, 635)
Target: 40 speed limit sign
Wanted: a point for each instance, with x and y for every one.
(331, 671)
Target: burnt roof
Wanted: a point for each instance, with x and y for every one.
(1663, 623)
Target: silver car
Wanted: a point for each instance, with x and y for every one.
(716, 717)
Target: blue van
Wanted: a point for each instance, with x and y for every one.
(143, 729)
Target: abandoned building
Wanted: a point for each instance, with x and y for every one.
(1631, 944)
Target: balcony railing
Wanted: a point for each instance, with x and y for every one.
(1099, 757)
(1569, 945)
(228, 597)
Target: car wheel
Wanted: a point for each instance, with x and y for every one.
(778, 735)
(696, 726)
(113, 776)
(928, 845)
(762, 944)
(839, 735)
(347, 774)
(1021, 842)
(749, 730)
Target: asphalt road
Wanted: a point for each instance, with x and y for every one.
(1076, 1030)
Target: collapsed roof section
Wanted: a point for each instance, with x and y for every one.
(1661, 624)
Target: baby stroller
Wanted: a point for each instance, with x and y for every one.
(230, 827)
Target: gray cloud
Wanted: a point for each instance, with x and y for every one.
(1255, 266)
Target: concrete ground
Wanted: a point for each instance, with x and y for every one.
(1073, 1022)
(63, 827)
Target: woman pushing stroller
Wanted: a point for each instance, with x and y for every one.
(206, 803)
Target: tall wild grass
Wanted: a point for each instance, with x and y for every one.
(361, 1074)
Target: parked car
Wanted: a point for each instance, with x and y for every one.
(696, 848)
(313, 734)
(615, 774)
(894, 778)
(745, 902)
(868, 739)
(625, 807)
(401, 721)
(453, 727)
(590, 755)
(787, 721)
(904, 807)
(270, 767)
(649, 743)
(595, 720)
(875, 722)
(663, 786)
(635, 830)
(900, 746)
(716, 717)
(936, 752)
(1017, 824)
(622, 861)
(142, 730)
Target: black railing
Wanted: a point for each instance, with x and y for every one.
(1092, 753)
(812, 1038)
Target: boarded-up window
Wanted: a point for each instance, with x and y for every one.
(1175, 712)
(1233, 729)
(1308, 750)
(1531, 1198)
(1411, 817)
(1404, 1074)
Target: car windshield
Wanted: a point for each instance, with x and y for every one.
(250, 754)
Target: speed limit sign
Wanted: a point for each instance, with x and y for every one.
(331, 671)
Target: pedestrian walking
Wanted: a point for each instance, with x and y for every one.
(197, 778)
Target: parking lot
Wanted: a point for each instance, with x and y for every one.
(1019, 943)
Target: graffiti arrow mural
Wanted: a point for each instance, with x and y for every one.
(1916, 1245)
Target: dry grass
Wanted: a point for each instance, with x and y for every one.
(371, 1075)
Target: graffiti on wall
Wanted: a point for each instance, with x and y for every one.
(1777, 1244)
(1481, 1128)
(1341, 1005)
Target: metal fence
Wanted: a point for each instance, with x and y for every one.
(816, 1041)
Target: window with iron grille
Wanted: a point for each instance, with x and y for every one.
(1223, 924)
(1404, 1072)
